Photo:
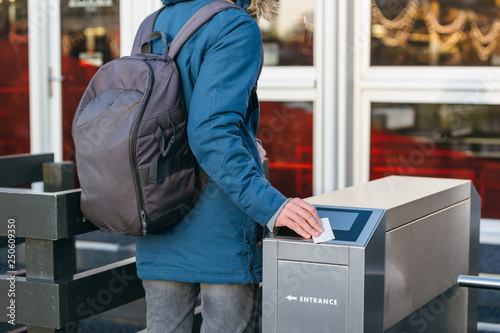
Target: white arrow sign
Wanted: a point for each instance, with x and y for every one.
(291, 298)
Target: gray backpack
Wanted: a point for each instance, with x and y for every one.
(135, 167)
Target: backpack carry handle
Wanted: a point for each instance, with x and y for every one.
(151, 37)
(204, 14)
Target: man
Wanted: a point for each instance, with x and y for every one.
(216, 249)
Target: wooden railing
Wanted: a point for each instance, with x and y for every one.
(50, 296)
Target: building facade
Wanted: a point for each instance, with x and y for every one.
(350, 91)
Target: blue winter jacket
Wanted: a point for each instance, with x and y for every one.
(219, 240)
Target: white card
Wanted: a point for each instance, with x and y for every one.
(327, 234)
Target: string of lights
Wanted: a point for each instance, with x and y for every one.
(443, 38)
(400, 27)
(433, 25)
(404, 19)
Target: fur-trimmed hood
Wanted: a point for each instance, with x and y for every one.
(266, 9)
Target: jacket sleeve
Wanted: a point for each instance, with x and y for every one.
(217, 112)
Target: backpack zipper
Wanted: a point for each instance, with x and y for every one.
(144, 222)
(133, 159)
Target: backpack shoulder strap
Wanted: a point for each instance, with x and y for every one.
(202, 16)
(144, 30)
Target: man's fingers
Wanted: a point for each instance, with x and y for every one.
(299, 220)
(307, 206)
(307, 212)
(301, 217)
(295, 227)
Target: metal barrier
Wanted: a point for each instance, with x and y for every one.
(485, 282)
(400, 244)
(52, 297)
(479, 282)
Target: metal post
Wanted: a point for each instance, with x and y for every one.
(478, 282)
(47, 259)
(58, 176)
(50, 260)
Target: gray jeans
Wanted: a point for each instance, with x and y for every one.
(228, 308)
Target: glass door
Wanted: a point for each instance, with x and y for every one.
(90, 37)
(287, 94)
(14, 81)
(428, 85)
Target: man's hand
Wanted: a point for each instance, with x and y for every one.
(301, 217)
(262, 151)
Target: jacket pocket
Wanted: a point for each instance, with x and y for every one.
(254, 100)
(251, 245)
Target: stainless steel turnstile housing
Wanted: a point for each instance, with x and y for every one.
(401, 243)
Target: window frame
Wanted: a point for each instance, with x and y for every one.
(45, 91)
(407, 84)
(316, 84)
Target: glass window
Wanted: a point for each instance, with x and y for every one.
(439, 140)
(90, 37)
(14, 78)
(435, 33)
(288, 39)
(285, 130)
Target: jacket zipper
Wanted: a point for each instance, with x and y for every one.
(133, 159)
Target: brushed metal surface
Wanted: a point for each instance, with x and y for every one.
(479, 282)
(269, 286)
(403, 267)
(405, 198)
(446, 313)
(313, 297)
(424, 258)
(310, 252)
(374, 281)
(473, 295)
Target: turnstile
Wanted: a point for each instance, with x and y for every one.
(400, 245)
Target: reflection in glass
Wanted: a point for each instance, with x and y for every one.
(90, 37)
(285, 130)
(435, 33)
(14, 78)
(439, 140)
(288, 39)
